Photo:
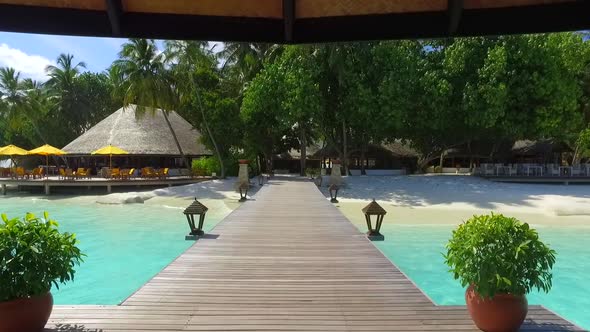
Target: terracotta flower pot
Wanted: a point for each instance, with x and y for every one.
(243, 161)
(502, 313)
(26, 315)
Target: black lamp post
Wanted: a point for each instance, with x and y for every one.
(374, 209)
(334, 193)
(244, 192)
(196, 208)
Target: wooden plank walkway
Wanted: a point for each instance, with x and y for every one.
(286, 261)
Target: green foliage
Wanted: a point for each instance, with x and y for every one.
(498, 254)
(206, 166)
(312, 172)
(34, 255)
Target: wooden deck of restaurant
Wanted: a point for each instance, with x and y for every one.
(53, 182)
(287, 260)
(540, 179)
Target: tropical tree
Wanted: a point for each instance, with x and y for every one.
(144, 80)
(190, 60)
(302, 100)
(22, 103)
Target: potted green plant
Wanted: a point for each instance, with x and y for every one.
(500, 260)
(34, 255)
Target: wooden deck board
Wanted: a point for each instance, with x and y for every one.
(286, 261)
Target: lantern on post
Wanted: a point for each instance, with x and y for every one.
(374, 209)
(334, 193)
(244, 192)
(196, 230)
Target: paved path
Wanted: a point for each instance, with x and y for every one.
(286, 261)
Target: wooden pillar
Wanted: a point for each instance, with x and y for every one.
(3, 189)
(47, 189)
(109, 189)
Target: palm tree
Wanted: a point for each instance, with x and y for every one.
(186, 57)
(63, 92)
(19, 104)
(63, 75)
(246, 60)
(146, 81)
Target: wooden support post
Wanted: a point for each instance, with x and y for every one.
(47, 189)
(109, 189)
(3, 189)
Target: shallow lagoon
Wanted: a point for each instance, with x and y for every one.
(415, 239)
(126, 245)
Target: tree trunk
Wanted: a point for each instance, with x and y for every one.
(186, 159)
(576, 157)
(303, 147)
(441, 160)
(345, 147)
(211, 137)
(363, 157)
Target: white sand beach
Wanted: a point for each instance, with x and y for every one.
(466, 193)
(219, 195)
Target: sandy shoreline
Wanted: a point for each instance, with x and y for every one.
(466, 193)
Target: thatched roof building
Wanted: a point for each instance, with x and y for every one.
(145, 135)
(539, 148)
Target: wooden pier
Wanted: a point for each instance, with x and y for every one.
(287, 260)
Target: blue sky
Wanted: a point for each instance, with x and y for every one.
(30, 53)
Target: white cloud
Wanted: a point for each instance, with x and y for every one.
(31, 66)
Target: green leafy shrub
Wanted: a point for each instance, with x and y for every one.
(34, 255)
(498, 254)
(312, 172)
(206, 166)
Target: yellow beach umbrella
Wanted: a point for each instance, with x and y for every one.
(47, 150)
(110, 150)
(12, 150)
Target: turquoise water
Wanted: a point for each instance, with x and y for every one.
(126, 245)
(417, 251)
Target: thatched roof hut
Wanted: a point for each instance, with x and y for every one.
(145, 135)
(539, 148)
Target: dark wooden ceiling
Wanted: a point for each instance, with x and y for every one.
(292, 21)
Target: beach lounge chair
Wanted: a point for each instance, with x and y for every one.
(62, 174)
(131, 173)
(80, 173)
(20, 173)
(512, 170)
(577, 170)
(148, 172)
(124, 174)
(69, 174)
(163, 173)
(115, 173)
(37, 173)
(554, 171)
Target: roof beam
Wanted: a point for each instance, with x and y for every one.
(454, 10)
(115, 11)
(289, 18)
